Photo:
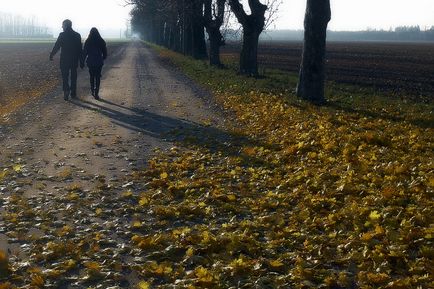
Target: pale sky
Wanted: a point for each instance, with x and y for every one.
(361, 14)
(108, 15)
(346, 14)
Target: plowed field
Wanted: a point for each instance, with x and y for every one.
(405, 69)
(27, 73)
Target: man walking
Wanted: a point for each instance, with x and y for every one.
(69, 42)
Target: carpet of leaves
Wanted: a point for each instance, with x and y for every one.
(296, 196)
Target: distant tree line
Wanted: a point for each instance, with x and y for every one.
(402, 33)
(16, 26)
(180, 25)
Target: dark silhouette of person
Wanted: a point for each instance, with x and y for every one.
(95, 52)
(69, 42)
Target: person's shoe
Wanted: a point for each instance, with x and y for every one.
(73, 94)
(96, 94)
(65, 94)
(92, 91)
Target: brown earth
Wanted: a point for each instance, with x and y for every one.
(26, 73)
(404, 69)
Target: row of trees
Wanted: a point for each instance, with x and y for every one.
(180, 25)
(12, 26)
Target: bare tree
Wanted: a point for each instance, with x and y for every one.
(17, 26)
(261, 15)
(253, 25)
(312, 75)
(177, 24)
(214, 13)
(198, 29)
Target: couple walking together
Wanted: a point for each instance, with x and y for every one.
(72, 54)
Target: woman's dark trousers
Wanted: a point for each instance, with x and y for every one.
(95, 79)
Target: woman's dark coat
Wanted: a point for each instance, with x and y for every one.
(94, 52)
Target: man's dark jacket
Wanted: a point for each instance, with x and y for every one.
(69, 42)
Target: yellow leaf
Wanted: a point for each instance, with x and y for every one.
(429, 233)
(276, 263)
(374, 216)
(202, 204)
(37, 280)
(377, 278)
(164, 175)
(70, 264)
(379, 230)
(136, 239)
(189, 252)
(127, 194)
(388, 192)
(203, 275)
(143, 201)
(143, 285)
(250, 151)
(161, 269)
(312, 155)
(4, 173)
(137, 224)
(431, 182)
(4, 264)
(98, 211)
(6, 285)
(93, 266)
(367, 236)
(17, 168)
(73, 196)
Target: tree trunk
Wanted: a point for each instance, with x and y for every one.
(213, 19)
(166, 35)
(199, 44)
(249, 52)
(155, 30)
(160, 32)
(253, 25)
(198, 29)
(312, 74)
(215, 42)
(188, 39)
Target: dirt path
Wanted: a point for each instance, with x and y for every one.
(142, 102)
(52, 148)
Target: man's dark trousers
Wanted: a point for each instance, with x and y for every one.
(66, 72)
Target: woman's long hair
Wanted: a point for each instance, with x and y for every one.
(94, 36)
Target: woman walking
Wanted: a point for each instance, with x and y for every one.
(95, 52)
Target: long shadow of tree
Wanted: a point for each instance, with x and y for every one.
(187, 133)
(414, 120)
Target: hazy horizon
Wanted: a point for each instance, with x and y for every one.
(111, 16)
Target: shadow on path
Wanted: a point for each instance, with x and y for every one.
(175, 130)
(149, 123)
